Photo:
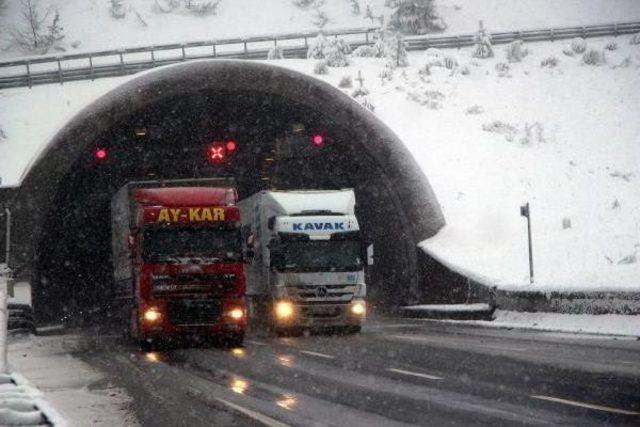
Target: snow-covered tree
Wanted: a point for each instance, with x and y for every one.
(194, 7)
(482, 43)
(275, 53)
(55, 31)
(395, 52)
(414, 16)
(307, 4)
(516, 51)
(199, 7)
(117, 9)
(321, 67)
(317, 47)
(336, 53)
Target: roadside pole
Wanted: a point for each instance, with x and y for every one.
(5, 272)
(526, 212)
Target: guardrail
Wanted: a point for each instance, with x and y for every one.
(113, 63)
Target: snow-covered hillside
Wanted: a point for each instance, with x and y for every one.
(89, 25)
(565, 138)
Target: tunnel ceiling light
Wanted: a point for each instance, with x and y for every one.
(101, 154)
(297, 128)
(317, 140)
(140, 130)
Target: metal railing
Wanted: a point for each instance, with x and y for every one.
(113, 63)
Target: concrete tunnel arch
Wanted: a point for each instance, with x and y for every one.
(404, 186)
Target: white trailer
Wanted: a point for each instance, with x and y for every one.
(309, 259)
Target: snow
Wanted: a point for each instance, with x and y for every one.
(445, 308)
(75, 389)
(563, 138)
(603, 324)
(89, 26)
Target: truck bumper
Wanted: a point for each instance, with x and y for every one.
(321, 316)
(173, 326)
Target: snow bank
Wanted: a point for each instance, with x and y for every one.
(73, 388)
(444, 308)
(606, 324)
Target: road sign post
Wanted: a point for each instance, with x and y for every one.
(5, 218)
(526, 212)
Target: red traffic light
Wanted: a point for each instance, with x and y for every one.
(317, 140)
(101, 154)
(217, 153)
(231, 145)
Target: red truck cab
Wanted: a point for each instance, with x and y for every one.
(179, 266)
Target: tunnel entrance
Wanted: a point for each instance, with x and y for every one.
(160, 126)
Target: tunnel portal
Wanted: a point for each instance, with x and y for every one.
(160, 126)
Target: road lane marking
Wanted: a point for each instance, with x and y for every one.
(445, 342)
(255, 342)
(586, 405)
(257, 416)
(414, 374)
(314, 353)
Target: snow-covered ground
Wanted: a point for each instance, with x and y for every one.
(604, 324)
(89, 26)
(76, 390)
(578, 164)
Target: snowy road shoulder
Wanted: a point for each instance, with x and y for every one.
(69, 386)
(615, 325)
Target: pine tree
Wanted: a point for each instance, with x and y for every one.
(415, 16)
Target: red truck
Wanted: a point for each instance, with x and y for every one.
(178, 260)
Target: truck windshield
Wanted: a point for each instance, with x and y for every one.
(175, 244)
(323, 255)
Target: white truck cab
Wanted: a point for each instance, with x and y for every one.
(309, 259)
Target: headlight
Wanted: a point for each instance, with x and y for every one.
(236, 313)
(284, 309)
(152, 315)
(359, 308)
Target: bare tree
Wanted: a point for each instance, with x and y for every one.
(35, 34)
(30, 36)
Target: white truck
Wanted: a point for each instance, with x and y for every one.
(308, 261)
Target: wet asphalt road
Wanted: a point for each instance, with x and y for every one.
(397, 372)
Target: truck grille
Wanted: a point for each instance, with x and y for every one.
(193, 283)
(320, 294)
(194, 312)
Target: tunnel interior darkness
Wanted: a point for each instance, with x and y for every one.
(73, 253)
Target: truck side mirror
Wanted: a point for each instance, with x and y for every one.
(370, 254)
